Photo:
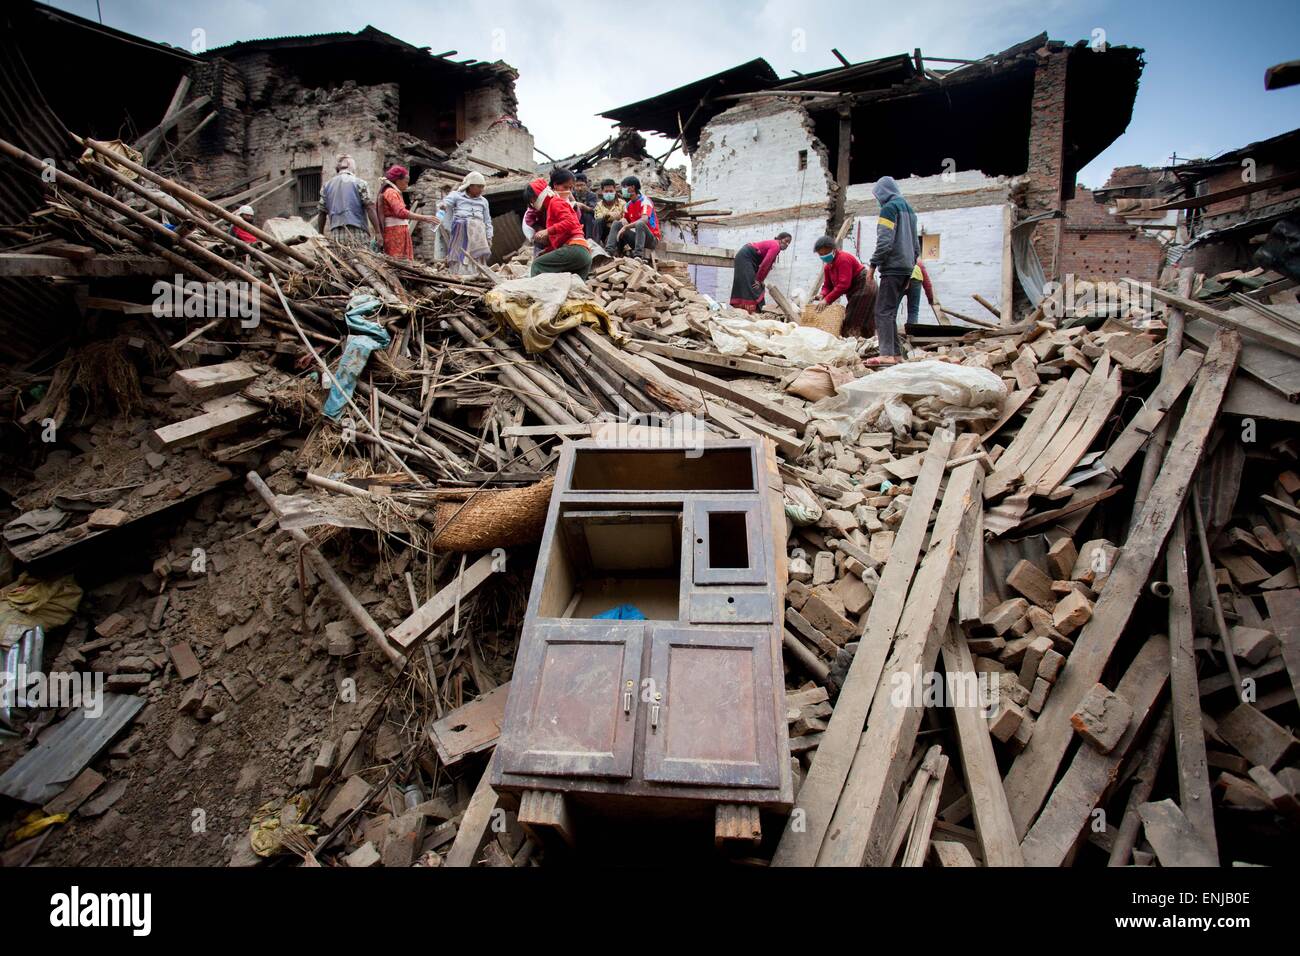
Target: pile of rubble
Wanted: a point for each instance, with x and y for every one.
(313, 665)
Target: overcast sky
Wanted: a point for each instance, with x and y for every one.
(1202, 91)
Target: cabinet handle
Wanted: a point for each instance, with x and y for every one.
(627, 699)
(654, 713)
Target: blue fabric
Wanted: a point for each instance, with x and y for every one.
(367, 336)
(624, 612)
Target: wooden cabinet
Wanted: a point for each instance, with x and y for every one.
(681, 707)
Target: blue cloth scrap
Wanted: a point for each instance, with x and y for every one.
(624, 612)
(365, 338)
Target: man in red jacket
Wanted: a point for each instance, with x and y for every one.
(566, 248)
(844, 275)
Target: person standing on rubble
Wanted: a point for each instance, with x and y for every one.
(920, 283)
(753, 262)
(466, 220)
(609, 210)
(844, 275)
(345, 207)
(396, 217)
(639, 226)
(566, 248)
(898, 247)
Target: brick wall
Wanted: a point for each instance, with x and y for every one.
(1047, 154)
(1098, 245)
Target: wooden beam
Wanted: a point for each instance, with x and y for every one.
(221, 416)
(14, 264)
(440, 607)
(860, 823)
(696, 255)
(1030, 777)
(993, 823)
(815, 804)
(1185, 695)
(777, 413)
(715, 359)
(1209, 199)
(204, 382)
(474, 822)
(1275, 337)
(1051, 839)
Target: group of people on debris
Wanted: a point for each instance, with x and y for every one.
(565, 219)
(871, 305)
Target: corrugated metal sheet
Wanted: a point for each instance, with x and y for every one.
(44, 771)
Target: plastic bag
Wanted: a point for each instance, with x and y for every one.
(960, 391)
(818, 381)
(958, 385)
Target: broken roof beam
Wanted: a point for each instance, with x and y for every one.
(17, 264)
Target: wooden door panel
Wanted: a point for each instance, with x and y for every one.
(715, 724)
(577, 700)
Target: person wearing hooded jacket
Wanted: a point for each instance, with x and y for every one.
(898, 247)
(565, 248)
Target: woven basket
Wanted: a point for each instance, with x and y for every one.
(498, 518)
(829, 319)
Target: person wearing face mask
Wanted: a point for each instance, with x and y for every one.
(584, 201)
(753, 262)
(639, 226)
(565, 248)
(609, 209)
(843, 275)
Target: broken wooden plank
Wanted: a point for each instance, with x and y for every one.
(1030, 777)
(1054, 834)
(221, 416)
(871, 790)
(205, 382)
(474, 822)
(440, 607)
(1185, 698)
(993, 823)
(1173, 838)
(1284, 618)
(470, 728)
(777, 413)
(802, 839)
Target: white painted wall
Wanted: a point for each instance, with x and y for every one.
(751, 166)
(970, 256)
(795, 269)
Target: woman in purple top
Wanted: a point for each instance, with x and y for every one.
(753, 262)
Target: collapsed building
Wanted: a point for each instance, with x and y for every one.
(978, 148)
(785, 609)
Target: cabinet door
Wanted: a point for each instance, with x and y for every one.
(730, 546)
(573, 700)
(713, 722)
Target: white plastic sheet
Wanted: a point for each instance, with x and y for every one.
(883, 399)
(801, 344)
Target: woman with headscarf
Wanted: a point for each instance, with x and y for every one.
(396, 217)
(753, 262)
(466, 223)
(566, 249)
